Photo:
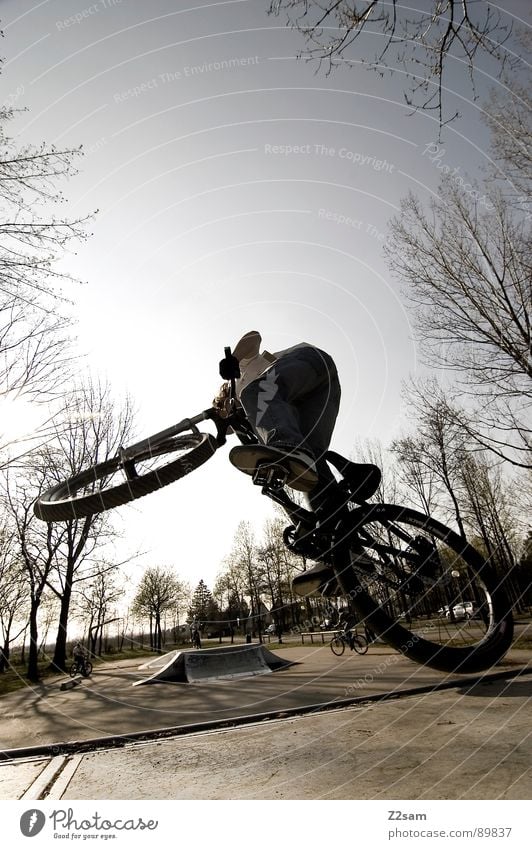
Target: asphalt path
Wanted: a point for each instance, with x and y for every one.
(107, 703)
(421, 719)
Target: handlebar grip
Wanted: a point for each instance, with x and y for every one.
(229, 368)
(233, 381)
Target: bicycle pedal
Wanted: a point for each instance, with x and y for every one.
(272, 476)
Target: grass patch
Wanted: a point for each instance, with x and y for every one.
(15, 676)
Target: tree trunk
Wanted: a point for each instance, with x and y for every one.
(60, 654)
(158, 633)
(4, 656)
(23, 648)
(6, 650)
(33, 667)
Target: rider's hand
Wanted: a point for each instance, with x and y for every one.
(222, 401)
(229, 368)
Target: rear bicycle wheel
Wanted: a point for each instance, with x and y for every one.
(115, 482)
(415, 571)
(337, 646)
(360, 645)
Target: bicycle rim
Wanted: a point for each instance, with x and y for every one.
(360, 645)
(113, 483)
(337, 646)
(429, 593)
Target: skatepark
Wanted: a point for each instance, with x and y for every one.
(293, 723)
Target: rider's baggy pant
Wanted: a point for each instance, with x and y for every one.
(294, 405)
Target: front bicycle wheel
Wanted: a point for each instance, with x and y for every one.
(74, 670)
(337, 646)
(426, 591)
(87, 672)
(360, 645)
(115, 482)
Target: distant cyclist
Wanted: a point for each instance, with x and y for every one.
(80, 655)
(347, 621)
(195, 636)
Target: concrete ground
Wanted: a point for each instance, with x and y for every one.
(472, 741)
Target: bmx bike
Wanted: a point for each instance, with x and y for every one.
(414, 568)
(81, 667)
(355, 642)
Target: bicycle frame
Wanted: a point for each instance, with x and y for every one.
(336, 551)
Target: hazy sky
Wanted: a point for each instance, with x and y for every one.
(238, 188)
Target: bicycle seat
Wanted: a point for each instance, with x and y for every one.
(361, 479)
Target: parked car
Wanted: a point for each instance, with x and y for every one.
(271, 629)
(460, 612)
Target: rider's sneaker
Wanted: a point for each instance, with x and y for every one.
(321, 579)
(300, 466)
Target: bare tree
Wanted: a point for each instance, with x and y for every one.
(493, 516)
(420, 43)
(14, 596)
(437, 461)
(159, 590)
(273, 557)
(88, 429)
(34, 319)
(508, 114)
(36, 545)
(417, 472)
(96, 603)
(244, 560)
(244, 576)
(489, 511)
(467, 273)
(432, 458)
(372, 451)
(232, 582)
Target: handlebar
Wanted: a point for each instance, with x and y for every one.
(232, 396)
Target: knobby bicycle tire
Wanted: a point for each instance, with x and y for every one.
(62, 503)
(431, 640)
